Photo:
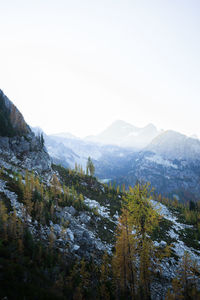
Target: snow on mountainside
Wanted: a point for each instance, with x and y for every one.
(177, 233)
(59, 153)
(25, 151)
(167, 176)
(72, 213)
(68, 151)
(174, 145)
(125, 135)
(66, 135)
(170, 162)
(80, 147)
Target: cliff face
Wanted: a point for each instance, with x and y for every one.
(11, 120)
(19, 147)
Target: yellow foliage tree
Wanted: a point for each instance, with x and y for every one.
(124, 258)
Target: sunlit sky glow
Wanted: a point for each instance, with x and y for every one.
(76, 66)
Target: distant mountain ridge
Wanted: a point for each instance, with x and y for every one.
(58, 225)
(123, 134)
(174, 145)
(170, 161)
(65, 135)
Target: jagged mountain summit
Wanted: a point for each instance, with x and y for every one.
(123, 134)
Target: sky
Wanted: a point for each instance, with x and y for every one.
(77, 66)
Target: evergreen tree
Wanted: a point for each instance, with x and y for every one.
(185, 284)
(90, 169)
(124, 258)
(135, 256)
(104, 280)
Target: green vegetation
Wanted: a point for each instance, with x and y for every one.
(11, 121)
(185, 284)
(31, 268)
(188, 212)
(90, 169)
(91, 188)
(136, 257)
(6, 128)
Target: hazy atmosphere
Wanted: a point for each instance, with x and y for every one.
(77, 66)
(99, 150)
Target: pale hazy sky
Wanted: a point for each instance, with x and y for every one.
(77, 66)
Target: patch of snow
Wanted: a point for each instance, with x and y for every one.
(116, 215)
(133, 133)
(102, 210)
(76, 247)
(173, 235)
(160, 161)
(121, 155)
(178, 246)
(161, 244)
(164, 211)
(105, 180)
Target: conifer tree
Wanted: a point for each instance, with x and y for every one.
(136, 254)
(3, 219)
(90, 169)
(28, 201)
(185, 284)
(144, 218)
(124, 258)
(105, 275)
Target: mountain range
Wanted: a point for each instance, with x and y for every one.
(60, 227)
(125, 135)
(169, 160)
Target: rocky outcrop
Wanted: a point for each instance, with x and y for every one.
(19, 146)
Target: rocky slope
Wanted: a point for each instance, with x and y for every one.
(54, 221)
(25, 151)
(20, 148)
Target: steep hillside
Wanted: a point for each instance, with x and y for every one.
(65, 235)
(58, 232)
(11, 120)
